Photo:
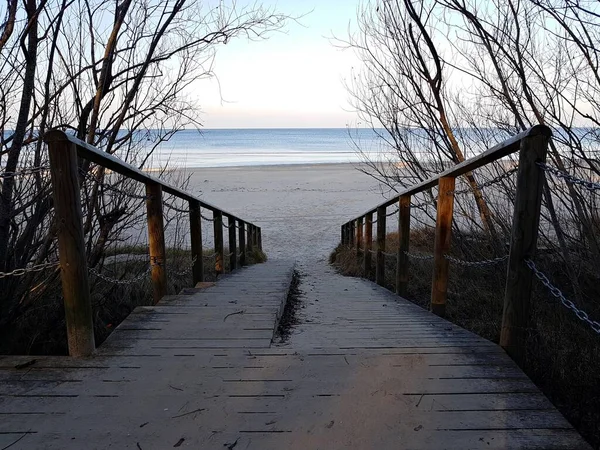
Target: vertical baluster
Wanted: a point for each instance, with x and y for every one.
(368, 257)
(71, 245)
(380, 259)
(242, 237)
(218, 233)
(402, 268)
(156, 239)
(443, 234)
(523, 243)
(232, 244)
(359, 235)
(196, 241)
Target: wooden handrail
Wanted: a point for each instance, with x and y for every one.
(63, 150)
(532, 145)
(91, 153)
(500, 150)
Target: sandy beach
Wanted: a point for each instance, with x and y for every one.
(299, 207)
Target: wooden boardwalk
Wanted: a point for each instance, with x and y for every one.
(363, 370)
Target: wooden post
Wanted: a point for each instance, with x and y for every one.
(259, 236)
(232, 244)
(71, 246)
(530, 180)
(218, 230)
(402, 268)
(156, 239)
(250, 243)
(196, 240)
(359, 235)
(443, 234)
(368, 244)
(342, 237)
(242, 237)
(352, 233)
(380, 260)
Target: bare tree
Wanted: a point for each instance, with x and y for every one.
(116, 74)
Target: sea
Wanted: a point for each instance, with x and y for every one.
(254, 147)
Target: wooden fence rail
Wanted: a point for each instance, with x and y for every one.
(532, 146)
(64, 151)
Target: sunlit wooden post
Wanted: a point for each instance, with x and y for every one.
(232, 244)
(523, 243)
(71, 245)
(368, 257)
(359, 235)
(402, 267)
(242, 243)
(443, 234)
(156, 240)
(380, 260)
(196, 241)
(218, 230)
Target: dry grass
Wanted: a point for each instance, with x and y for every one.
(563, 354)
(40, 329)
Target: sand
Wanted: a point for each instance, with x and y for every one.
(300, 208)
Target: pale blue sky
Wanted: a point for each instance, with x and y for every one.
(293, 79)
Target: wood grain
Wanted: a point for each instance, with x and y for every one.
(443, 234)
(71, 247)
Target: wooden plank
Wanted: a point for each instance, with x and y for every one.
(402, 267)
(523, 243)
(443, 233)
(71, 247)
(156, 241)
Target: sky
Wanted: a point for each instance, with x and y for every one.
(294, 79)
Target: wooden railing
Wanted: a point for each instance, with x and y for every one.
(532, 146)
(63, 152)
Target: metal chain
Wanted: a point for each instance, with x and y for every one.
(210, 256)
(120, 282)
(392, 213)
(422, 256)
(206, 218)
(590, 185)
(175, 208)
(485, 262)
(29, 171)
(581, 315)
(488, 183)
(24, 270)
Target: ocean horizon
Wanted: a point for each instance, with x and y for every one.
(226, 147)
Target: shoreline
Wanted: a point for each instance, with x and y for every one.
(255, 167)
